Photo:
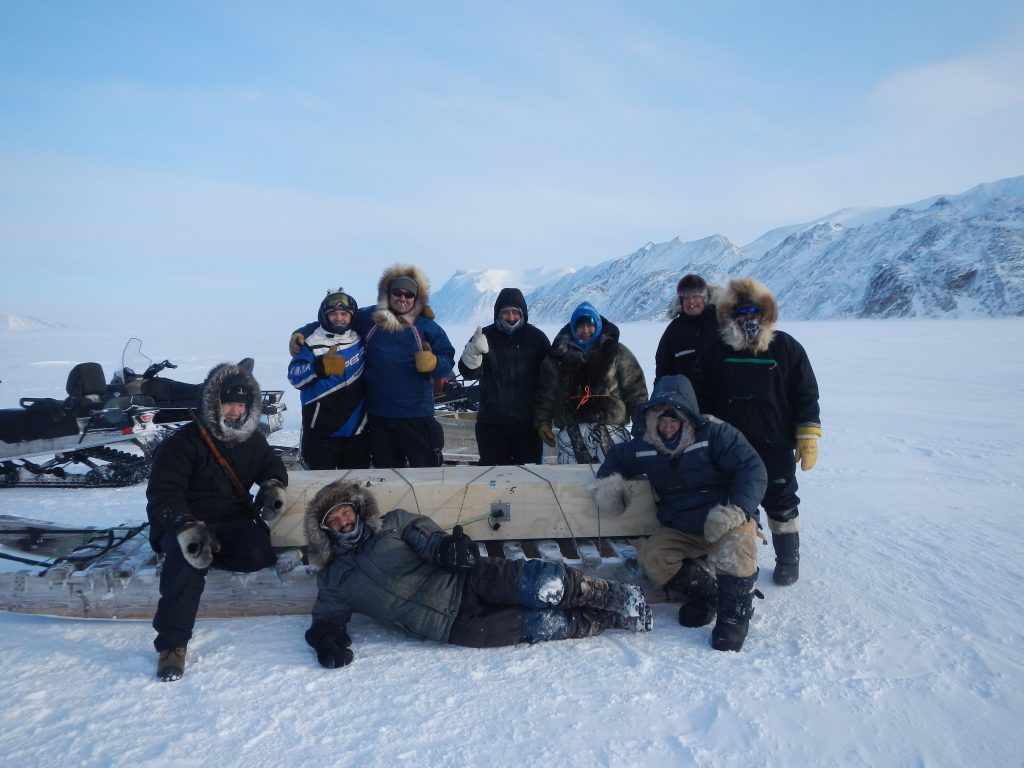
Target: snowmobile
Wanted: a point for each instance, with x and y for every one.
(110, 430)
(90, 428)
(175, 400)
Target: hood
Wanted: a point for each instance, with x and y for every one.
(320, 549)
(675, 308)
(741, 291)
(209, 403)
(383, 317)
(565, 347)
(510, 297)
(671, 393)
(586, 309)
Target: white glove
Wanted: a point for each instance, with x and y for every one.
(476, 348)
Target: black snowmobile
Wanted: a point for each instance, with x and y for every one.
(98, 424)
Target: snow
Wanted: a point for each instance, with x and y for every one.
(900, 645)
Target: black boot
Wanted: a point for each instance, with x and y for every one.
(699, 591)
(735, 596)
(787, 558)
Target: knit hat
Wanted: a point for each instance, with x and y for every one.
(234, 390)
(404, 282)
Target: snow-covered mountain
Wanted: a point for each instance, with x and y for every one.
(945, 256)
(22, 323)
(468, 296)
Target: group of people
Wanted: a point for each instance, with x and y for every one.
(734, 408)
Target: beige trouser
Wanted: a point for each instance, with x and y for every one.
(735, 554)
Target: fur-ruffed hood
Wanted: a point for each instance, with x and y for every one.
(320, 548)
(209, 403)
(383, 317)
(674, 394)
(740, 291)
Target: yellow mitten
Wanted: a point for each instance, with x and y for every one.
(807, 445)
(544, 430)
(330, 364)
(426, 361)
(295, 343)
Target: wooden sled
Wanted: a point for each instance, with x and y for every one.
(544, 511)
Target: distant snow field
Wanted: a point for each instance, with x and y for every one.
(900, 645)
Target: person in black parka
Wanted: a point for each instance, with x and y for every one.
(759, 380)
(506, 357)
(197, 517)
(692, 328)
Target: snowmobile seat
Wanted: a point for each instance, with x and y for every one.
(86, 382)
(39, 418)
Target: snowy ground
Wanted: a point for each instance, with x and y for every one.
(900, 645)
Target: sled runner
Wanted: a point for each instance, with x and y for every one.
(534, 511)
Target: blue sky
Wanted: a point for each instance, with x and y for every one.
(206, 151)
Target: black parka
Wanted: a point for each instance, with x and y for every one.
(509, 372)
(682, 342)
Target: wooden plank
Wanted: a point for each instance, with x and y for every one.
(542, 501)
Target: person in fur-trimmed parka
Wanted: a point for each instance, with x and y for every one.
(506, 357)
(198, 518)
(759, 379)
(590, 385)
(403, 571)
(708, 481)
(406, 352)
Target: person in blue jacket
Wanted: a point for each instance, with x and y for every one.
(708, 481)
(327, 370)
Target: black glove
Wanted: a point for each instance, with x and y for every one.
(270, 500)
(331, 643)
(457, 552)
(198, 544)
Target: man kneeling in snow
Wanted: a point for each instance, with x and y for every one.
(404, 571)
(708, 482)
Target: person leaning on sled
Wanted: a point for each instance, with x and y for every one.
(200, 512)
(707, 482)
(327, 370)
(759, 380)
(589, 386)
(403, 571)
(506, 357)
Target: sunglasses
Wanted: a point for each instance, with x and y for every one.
(746, 311)
(398, 293)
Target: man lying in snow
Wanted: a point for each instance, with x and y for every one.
(404, 571)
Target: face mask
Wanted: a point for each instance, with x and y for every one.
(751, 328)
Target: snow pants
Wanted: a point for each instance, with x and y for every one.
(508, 444)
(735, 554)
(780, 501)
(418, 441)
(244, 548)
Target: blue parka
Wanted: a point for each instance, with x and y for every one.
(712, 463)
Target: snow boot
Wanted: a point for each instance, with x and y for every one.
(170, 665)
(787, 558)
(699, 591)
(612, 620)
(625, 599)
(735, 598)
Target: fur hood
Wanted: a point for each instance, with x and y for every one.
(320, 549)
(674, 394)
(383, 317)
(740, 291)
(209, 403)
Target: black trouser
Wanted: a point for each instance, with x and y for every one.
(319, 452)
(244, 547)
(502, 444)
(780, 500)
(490, 614)
(418, 441)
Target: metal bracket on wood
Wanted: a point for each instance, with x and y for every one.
(501, 512)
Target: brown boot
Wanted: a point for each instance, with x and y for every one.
(171, 665)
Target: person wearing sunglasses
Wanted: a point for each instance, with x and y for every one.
(405, 572)
(692, 327)
(760, 380)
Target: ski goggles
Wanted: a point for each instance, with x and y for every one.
(740, 311)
